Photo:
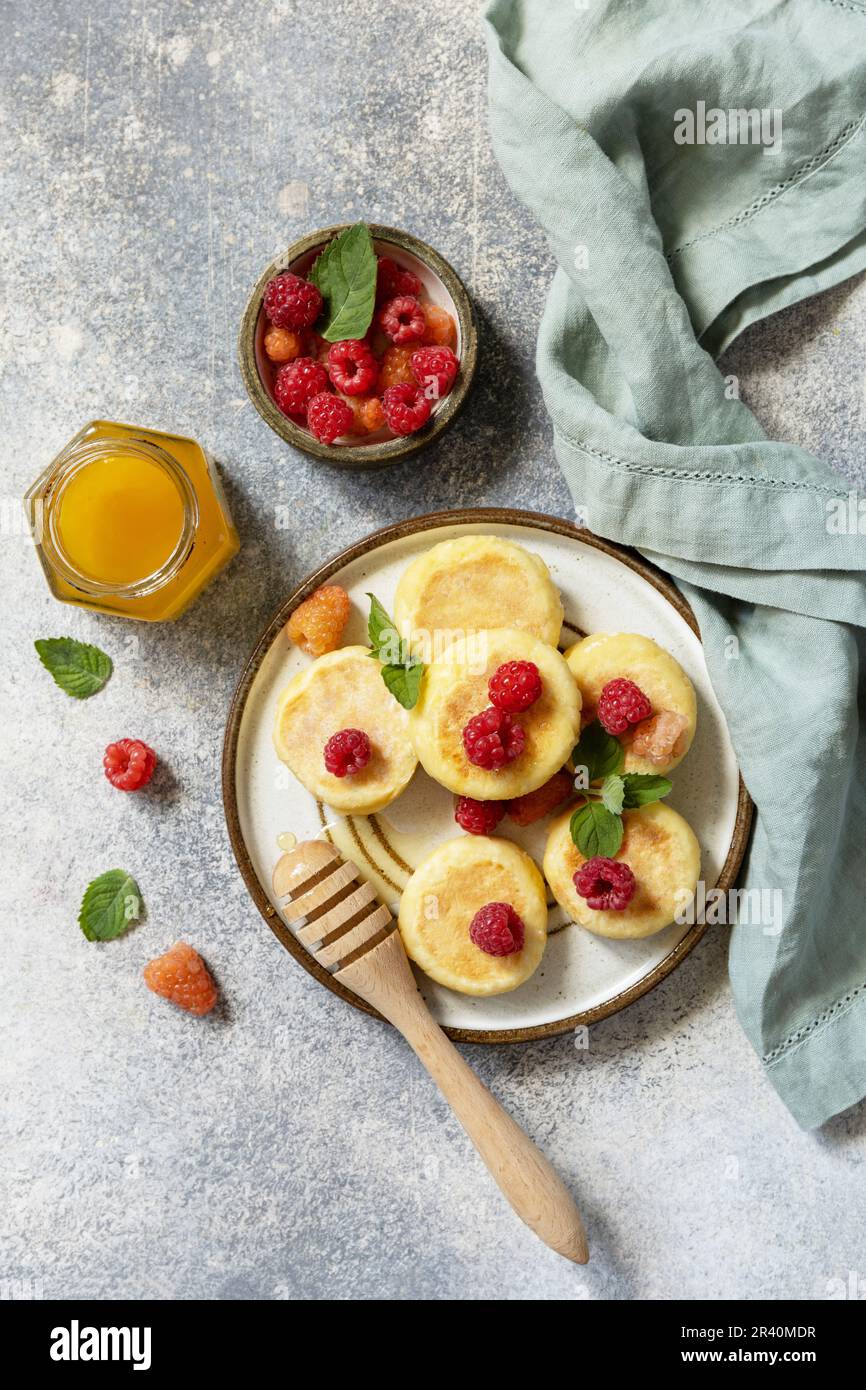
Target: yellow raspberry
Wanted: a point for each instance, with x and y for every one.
(182, 976)
(317, 624)
(397, 367)
(282, 345)
(367, 411)
(372, 413)
(441, 328)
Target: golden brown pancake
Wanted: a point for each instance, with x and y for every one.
(662, 852)
(345, 690)
(454, 689)
(661, 742)
(476, 582)
(444, 894)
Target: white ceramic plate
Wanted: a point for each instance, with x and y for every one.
(604, 588)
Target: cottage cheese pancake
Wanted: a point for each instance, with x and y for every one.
(657, 743)
(455, 688)
(663, 854)
(345, 690)
(443, 896)
(477, 582)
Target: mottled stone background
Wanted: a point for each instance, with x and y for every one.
(155, 157)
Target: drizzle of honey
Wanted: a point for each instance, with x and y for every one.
(378, 866)
(375, 863)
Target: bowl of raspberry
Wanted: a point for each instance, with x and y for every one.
(358, 345)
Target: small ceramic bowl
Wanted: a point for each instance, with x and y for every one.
(443, 286)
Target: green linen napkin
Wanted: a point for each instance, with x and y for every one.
(674, 227)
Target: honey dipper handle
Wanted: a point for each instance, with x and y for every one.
(525, 1177)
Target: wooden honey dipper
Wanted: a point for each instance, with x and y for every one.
(338, 918)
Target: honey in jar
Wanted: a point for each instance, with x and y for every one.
(130, 521)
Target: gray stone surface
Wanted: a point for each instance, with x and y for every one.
(156, 156)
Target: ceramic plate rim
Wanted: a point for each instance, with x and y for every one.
(395, 531)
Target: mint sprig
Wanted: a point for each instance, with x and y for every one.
(77, 668)
(111, 903)
(596, 826)
(401, 671)
(404, 683)
(345, 275)
(599, 752)
(384, 638)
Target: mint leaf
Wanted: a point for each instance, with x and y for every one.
(612, 793)
(599, 752)
(318, 272)
(345, 275)
(109, 904)
(401, 671)
(384, 638)
(78, 668)
(640, 788)
(595, 830)
(404, 682)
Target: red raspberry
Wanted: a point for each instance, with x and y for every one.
(492, 739)
(497, 930)
(406, 408)
(291, 302)
(129, 764)
(403, 319)
(296, 383)
(328, 417)
(347, 752)
(622, 703)
(533, 806)
(479, 817)
(607, 884)
(182, 976)
(392, 280)
(514, 686)
(352, 367)
(434, 368)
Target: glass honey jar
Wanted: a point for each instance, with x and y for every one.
(130, 521)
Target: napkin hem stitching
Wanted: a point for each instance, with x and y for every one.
(840, 1007)
(814, 162)
(695, 475)
(846, 5)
